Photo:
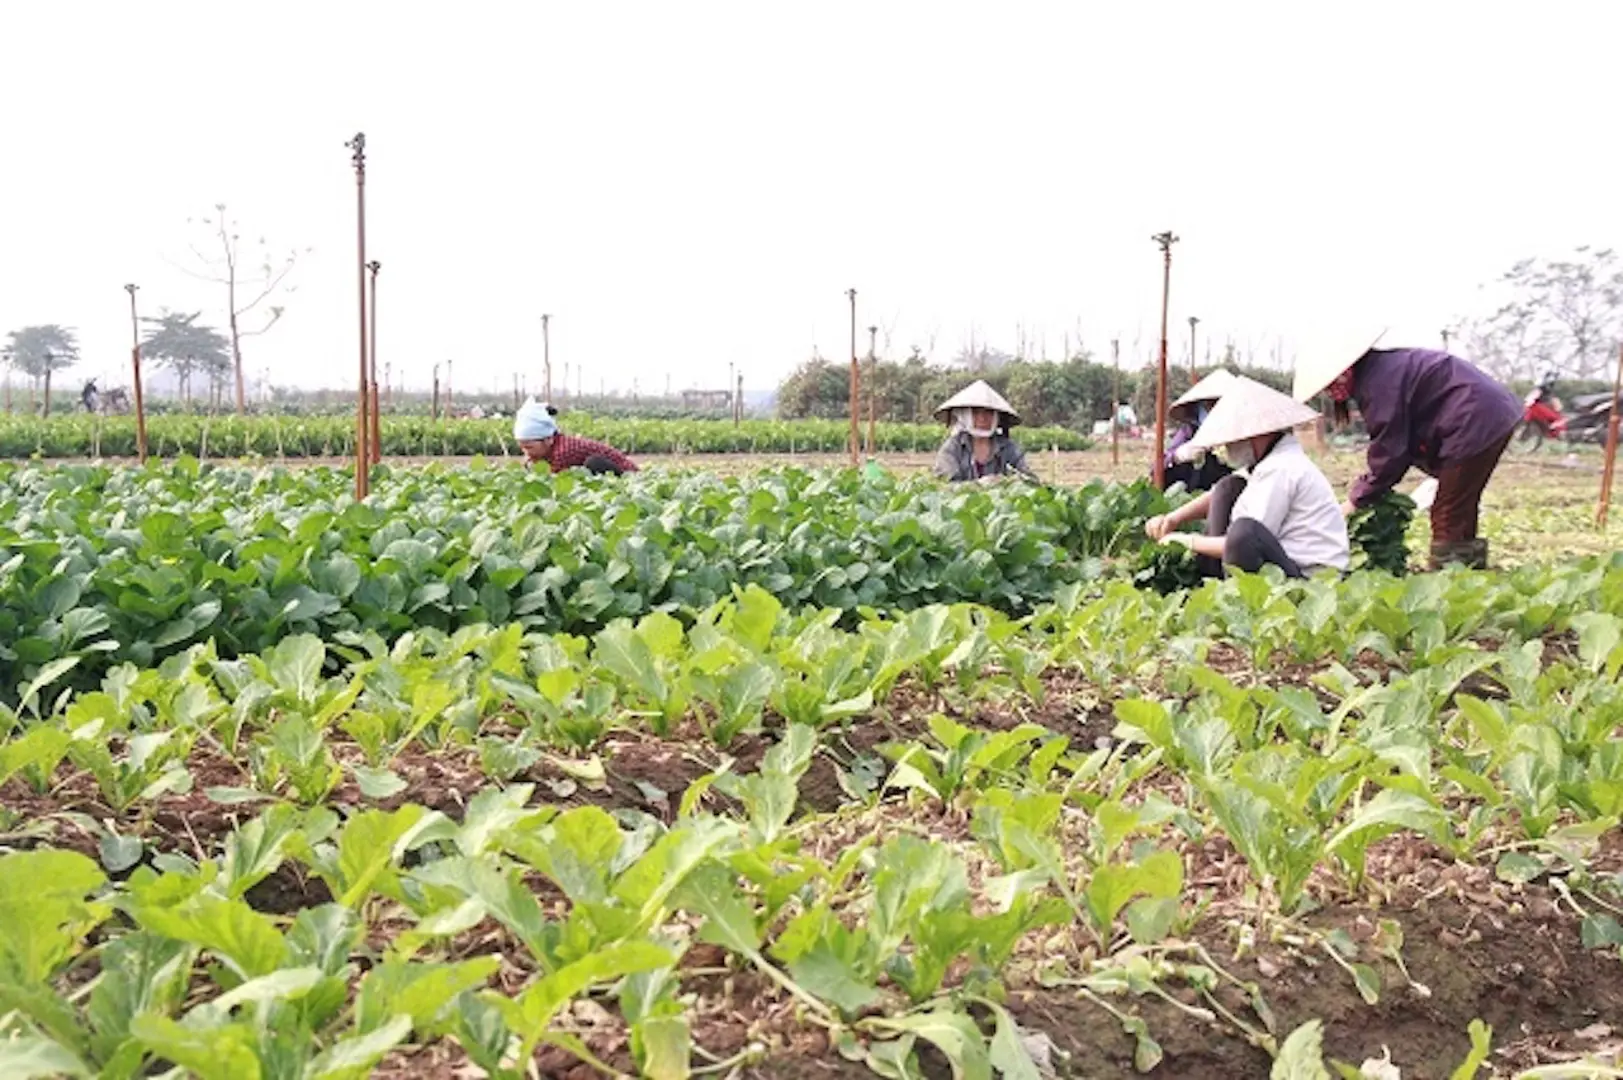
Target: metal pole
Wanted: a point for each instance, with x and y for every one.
(1164, 241)
(358, 159)
(135, 366)
(48, 359)
(1611, 448)
(738, 401)
(375, 401)
(434, 404)
(856, 378)
(873, 384)
(1192, 322)
(546, 356)
(1115, 401)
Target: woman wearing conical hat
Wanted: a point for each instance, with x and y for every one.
(978, 446)
(1282, 512)
(1195, 469)
(1424, 408)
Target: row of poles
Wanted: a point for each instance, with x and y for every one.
(368, 431)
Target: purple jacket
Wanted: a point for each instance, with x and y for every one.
(1427, 409)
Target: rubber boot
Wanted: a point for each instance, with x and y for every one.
(1448, 552)
(1479, 554)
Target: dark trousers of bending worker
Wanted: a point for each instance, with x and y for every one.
(1248, 544)
(1458, 505)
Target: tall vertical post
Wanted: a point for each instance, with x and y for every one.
(135, 368)
(1192, 323)
(48, 360)
(362, 469)
(1612, 420)
(856, 378)
(738, 400)
(873, 384)
(375, 400)
(1115, 401)
(546, 357)
(1164, 241)
(434, 402)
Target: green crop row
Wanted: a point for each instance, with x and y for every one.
(116, 564)
(230, 436)
(486, 928)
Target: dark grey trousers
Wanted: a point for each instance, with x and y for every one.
(1247, 543)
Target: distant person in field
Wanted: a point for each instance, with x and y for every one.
(978, 446)
(1425, 408)
(536, 430)
(1195, 469)
(1283, 512)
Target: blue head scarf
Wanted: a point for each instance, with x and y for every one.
(533, 422)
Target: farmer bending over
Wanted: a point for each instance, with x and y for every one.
(978, 446)
(1423, 408)
(538, 436)
(1195, 469)
(1284, 512)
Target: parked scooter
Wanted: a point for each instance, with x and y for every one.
(1543, 418)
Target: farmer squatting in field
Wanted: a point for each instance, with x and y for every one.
(978, 446)
(1284, 513)
(1423, 408)
(538, 436)
(1195, 469)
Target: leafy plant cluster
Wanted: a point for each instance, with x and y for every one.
(231, 436)
(1379, 533)
(108, 565)
(132, 955)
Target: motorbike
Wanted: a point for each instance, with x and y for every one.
(1542, 418)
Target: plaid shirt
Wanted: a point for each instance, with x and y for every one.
(571, 452)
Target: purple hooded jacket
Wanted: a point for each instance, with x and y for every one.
(1427, 409)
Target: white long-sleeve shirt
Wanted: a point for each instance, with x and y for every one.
(1290, 496)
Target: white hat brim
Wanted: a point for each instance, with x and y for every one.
(1322, 364)
(1249, 409)
(978, 395)
(1210, 388)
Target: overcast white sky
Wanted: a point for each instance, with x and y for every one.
(686, 184)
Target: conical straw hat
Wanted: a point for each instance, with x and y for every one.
(1212, 387)
(978, 395)
(1320, 366)
(1247, 409)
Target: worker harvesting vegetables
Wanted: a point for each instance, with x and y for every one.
(978, 446)
(1195, 469)
(1425, 408)
(536, 430)
(1282, 513)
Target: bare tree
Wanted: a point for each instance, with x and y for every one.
(1563, 313)
(250, 279)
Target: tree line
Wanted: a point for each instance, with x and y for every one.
(1072, 393)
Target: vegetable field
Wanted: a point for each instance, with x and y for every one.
(785, 775)
(229, 436)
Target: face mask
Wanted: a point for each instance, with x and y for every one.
(1341, 389)
(964, 419)
(1240, 454)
